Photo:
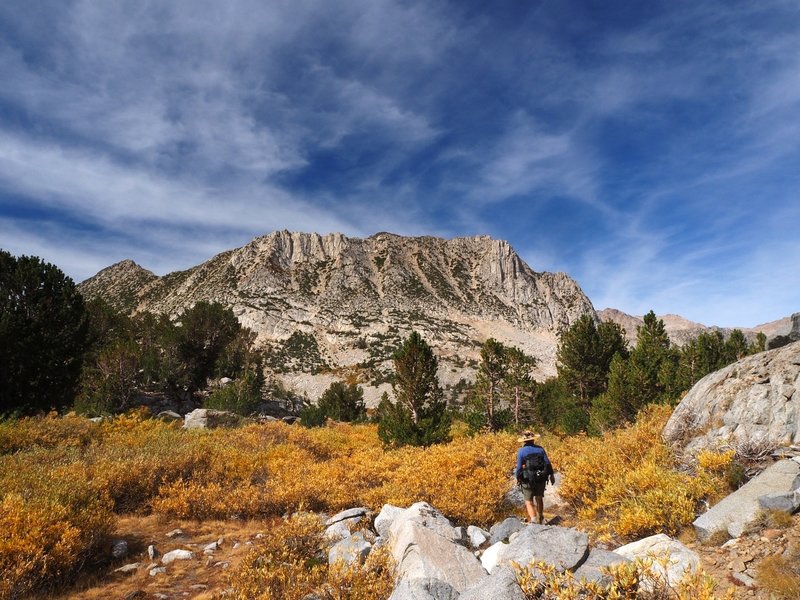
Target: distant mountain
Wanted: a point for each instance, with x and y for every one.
(332, 306)
(681, 330)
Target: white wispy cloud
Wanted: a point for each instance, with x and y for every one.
(625, 154)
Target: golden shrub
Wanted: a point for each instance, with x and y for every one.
(621, 485)
(715, 461)
(624, 484)
(637, 580)
(291, 563)
(47, 431)
(52, 520)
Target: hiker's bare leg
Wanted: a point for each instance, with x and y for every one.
(531, 512)
(540, 508)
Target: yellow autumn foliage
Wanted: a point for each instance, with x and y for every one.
(624, 484)
(637, 580)
(69, 476)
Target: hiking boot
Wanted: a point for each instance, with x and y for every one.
(541, 520)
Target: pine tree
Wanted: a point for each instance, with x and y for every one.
(419, 416)
(759, 345)
(485, 411)
(584, 357)
(519, 383)
(42, 335)
(343, 402)
(735, 346)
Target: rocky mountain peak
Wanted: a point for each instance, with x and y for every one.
(348, 302)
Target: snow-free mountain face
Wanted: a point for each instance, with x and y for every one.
(681, 330)
(331, 306)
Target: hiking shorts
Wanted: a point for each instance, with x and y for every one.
(537, 489)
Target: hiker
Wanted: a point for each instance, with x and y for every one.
(532, 471)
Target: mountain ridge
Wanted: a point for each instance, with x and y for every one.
(681, 330)
(329, 306)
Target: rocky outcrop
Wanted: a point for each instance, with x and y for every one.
(753, 403)
(329, 301)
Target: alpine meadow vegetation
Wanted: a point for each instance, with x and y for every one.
(64, 481)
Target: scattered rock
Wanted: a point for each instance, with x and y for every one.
(152, 552)
(157, 571)
(169, 415)
(743, 579)
(206, 418)
(562, 547)
(786, 501)
(119, 549)
(502, 531)
(175, 533)
(425, 545)
(174, 555)
(128, 569)
(424, 589)
(500, 585)
(349, 514)
(385, 519)
(598, 560)
(350, 550)
(477, 536)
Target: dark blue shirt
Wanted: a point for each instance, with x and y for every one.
(527, 450)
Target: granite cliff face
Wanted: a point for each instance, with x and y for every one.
(328, 306)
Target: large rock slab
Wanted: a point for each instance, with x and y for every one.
(753, 402)
(735, 511)
(500, 585)
(425, 545)
(561, 547)
(680, 560)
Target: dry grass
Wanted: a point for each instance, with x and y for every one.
(780, 575)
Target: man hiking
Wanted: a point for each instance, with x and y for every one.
(532, 471)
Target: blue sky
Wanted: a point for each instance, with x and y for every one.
(649, 149)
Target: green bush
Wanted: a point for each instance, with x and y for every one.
(242, 396)
(312, 416)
